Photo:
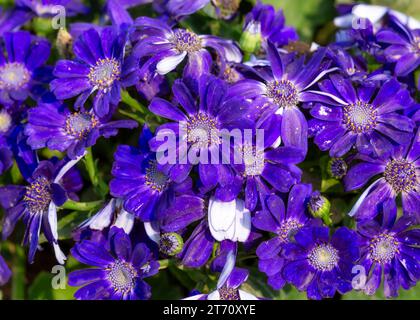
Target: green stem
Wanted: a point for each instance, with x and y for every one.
(163, 264)
(81, 206)
(100, 186)
(132, 116)
(18, 269)
(133, 103)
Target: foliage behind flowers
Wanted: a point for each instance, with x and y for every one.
(290, 135)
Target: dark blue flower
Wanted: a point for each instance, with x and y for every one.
(143, 184)
(400, 174)
(320, 264)
(166, 48)
(51, 124)
(390, 251)
(119, 269)
(282, 91)
(284, 224)
(366, 118)
(49, 186)
(22, 73)
(100, 67)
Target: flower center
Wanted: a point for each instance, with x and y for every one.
(14, 75)
(337, 168)
(156, 179)
(323, 257)
(401, 175)
(122, 276)
(288, 229)
(202, 131)
(5, 121)
(383, 248)
(80, 124)
(284, 93)
(227, 7)
(38, 195)
(231, 75)
(253, 160)
(227, 293)
(185, 40)
(359, 117)
(104, 73)
(170, 244)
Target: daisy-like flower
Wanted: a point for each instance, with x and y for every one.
(50, 185)
(22, 70)
(283, 90)
(100, 66)
(199, 129)
(366, 118)
(390, 251)
(400, 175)
(144, 186)
(51, 124)
(272, 167)
(403, 46)
(166, 49)
(284, 224)
(118, 269)
(5, 272)
(320, 264)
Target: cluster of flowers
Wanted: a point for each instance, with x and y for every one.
(198, 214)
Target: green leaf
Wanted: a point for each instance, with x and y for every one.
(41, 289)
(19, 271)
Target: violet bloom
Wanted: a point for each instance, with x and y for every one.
(366, 118)
(274, 167)
(400, 174)
(118, 269)
(390, 251)
(320, 264)
(199, 129)
(403, 46)
(264, 22)
(283, 90)
(166, 49)
(5, 272)
(145, 186)
(284, 224)
(21, 69)
(51, 124)
(100, 66)
(6, 125)
(51, 184)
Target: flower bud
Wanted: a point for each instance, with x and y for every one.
(170, 243)
(337, 168)
(319, 207)
(251, 37)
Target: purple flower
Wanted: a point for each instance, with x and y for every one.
(166, 49)
(50, 185)
(390, 251)
(320, 264)
(265, 22)
(6, 156)
(284, 224)
(403, 46)
(199, 129)
(400, 174)
(22, 73)
(366, 118)
(117, 10)
(144, 185)
(5, 272)
(100, 66)
(283, 90)
(119, 269)
(51, 124)
(177, 9)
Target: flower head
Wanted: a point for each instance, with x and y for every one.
(119, 269)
